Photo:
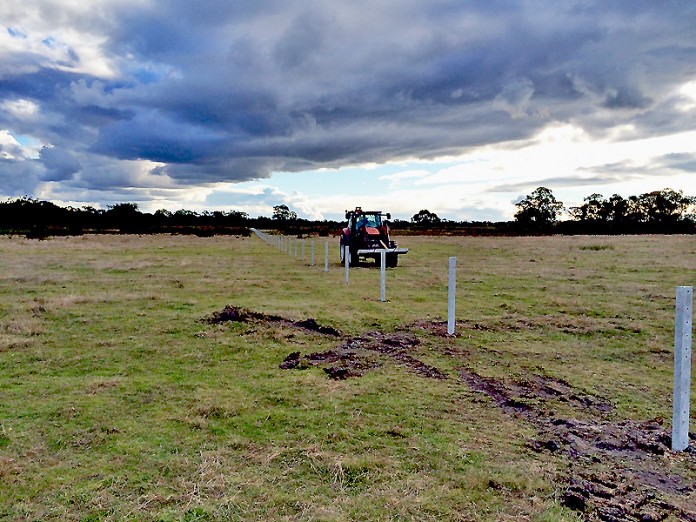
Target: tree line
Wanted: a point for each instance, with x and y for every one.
(663, 212)
(40, 219)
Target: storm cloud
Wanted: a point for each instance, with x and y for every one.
(138, 94)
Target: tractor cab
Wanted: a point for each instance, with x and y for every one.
(367, 235)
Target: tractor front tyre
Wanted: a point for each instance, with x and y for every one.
(392, 260)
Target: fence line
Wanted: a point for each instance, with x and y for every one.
(682, 328)
(289, 245)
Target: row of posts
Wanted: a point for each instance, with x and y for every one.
(289, 245)
(682, 328)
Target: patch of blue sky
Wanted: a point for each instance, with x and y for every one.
(146, 75)
(29, 143)
(15, 32)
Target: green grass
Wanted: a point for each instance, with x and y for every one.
(118, 402)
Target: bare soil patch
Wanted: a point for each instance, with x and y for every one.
(356, 355)
(244, 315)
(614, 469)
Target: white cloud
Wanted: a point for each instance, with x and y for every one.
(688, 96)
(65, 35)
(20, 108)
(19, 147)
(10, 148)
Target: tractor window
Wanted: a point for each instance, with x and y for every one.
(369, 220)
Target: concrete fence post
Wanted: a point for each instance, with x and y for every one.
(682, 367)
(302, 257)
(382, 275)
(451, 294)
(346, 259)
(326, 257)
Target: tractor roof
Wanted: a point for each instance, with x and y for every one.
(359, 210)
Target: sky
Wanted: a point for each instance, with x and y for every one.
(459, 107)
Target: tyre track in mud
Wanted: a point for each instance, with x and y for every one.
(615, 470)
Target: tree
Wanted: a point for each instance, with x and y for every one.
(666, 206)
(124, 216)
(425, 218)
(625, 211)
(594, 210)
(539, 210)
(283, 213)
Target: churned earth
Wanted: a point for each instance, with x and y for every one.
(610, 469)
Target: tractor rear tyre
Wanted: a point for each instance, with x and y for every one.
(392, 260)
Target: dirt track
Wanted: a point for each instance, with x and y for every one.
(614, 470)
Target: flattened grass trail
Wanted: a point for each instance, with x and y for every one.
(182, 378)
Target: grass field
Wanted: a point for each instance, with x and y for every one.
(121, 398)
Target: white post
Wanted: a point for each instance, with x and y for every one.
(382, 275)
(682, 368)
(451, 294)
(302, 258)
(312, 264)
(326, 257)
(346, 259)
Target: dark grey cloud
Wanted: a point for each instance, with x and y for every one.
(231, 91)
(59, 164)
(18, 178)
(562, 182)
(685, 162)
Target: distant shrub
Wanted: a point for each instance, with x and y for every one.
(597, 247)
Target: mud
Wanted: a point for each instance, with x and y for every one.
(617, 470)
(612, 469)
(357, 355)
(352, 357)
(294, 361)
(244, 315)
(395, 346)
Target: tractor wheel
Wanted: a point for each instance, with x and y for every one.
(392, 260)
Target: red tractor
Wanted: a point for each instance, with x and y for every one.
(367, 235)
